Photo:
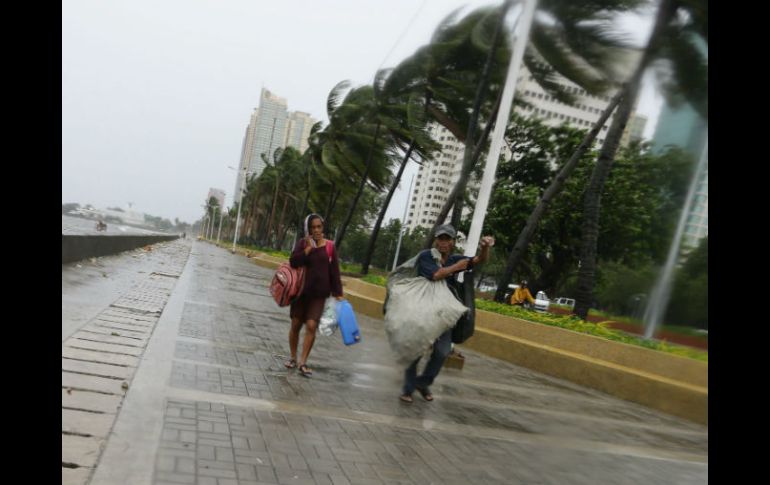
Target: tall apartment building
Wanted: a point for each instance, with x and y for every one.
(436, 178)
(697, 224)
(634, 129)
(683, 127)
(271, 127)
(218, 194)
(298, 130)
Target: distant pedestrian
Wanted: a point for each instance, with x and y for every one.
(522, 296)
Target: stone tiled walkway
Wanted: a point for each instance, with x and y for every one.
(213, 404)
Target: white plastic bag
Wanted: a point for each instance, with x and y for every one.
(328, 323)
(417, 310)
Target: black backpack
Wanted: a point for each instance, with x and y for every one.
(465, 294)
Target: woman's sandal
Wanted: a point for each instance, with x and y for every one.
(425, 393)
(407, 398)
(291, 364)
(305, 371)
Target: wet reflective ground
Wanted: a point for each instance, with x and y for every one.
(228, 411)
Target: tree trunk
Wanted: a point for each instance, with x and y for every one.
(381, 216)
(272, 209)
(592, 198)
(472, 125)
(255, 227)
(280, 224)
(283, 236)
(451, 125)
(361, 186)
(332, 203)
(465, 173)
(303, 213)
(333, 194)
(250, 219)
(525, 236)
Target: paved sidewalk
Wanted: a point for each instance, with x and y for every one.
(212, 404)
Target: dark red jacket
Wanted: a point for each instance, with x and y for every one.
(322, 278)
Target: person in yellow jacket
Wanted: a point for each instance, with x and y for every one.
(522, 295)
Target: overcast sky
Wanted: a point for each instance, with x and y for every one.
(156, 95)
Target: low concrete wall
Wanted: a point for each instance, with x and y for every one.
(669, 383)
(78, 247)
(646, 360)
(678, 398)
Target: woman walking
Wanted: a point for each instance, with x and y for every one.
(322, 278)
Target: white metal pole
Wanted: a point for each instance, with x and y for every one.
(211, 224)
(240, 203)
(506, 103)
(219, 233)
(658, 301)
(237, 221)
(403, 221)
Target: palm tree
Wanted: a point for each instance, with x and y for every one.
(353, 137)
(565, 39)
(283, 174)
(398, 122)
(420, 142)
(445, 77)
(212, 208)
(525, 236)
(674, 38)
(311, 160)
(371, 109)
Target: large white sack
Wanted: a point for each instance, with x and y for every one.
(418, 310)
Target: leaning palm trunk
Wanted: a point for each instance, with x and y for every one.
(328, 224)
(465, 172)
(272, 210)
(300, 219)
(552, 191)
(472, 125)
(457, 203)
(361, 186)
(592, 200)
(280, 224)
(283, 236)
(333, 194)
(254, 227)
(384, 208)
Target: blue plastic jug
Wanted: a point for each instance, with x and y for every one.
(347, 322)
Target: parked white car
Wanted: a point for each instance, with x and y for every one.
(485, 287)
(541, 302)
(570, 302)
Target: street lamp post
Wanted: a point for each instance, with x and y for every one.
(204, 223)
(219, 233)
(521, 37)
(403, 223)
(211, 223)
(240, 203)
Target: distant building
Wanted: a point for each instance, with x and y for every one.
(271, 127)
(683, 127)
(218, 194)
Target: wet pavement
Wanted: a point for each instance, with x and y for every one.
(90, 285)
(210, 402)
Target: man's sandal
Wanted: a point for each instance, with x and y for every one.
(291, 364)
(305, 370)
(425, 393)
(407, 398)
